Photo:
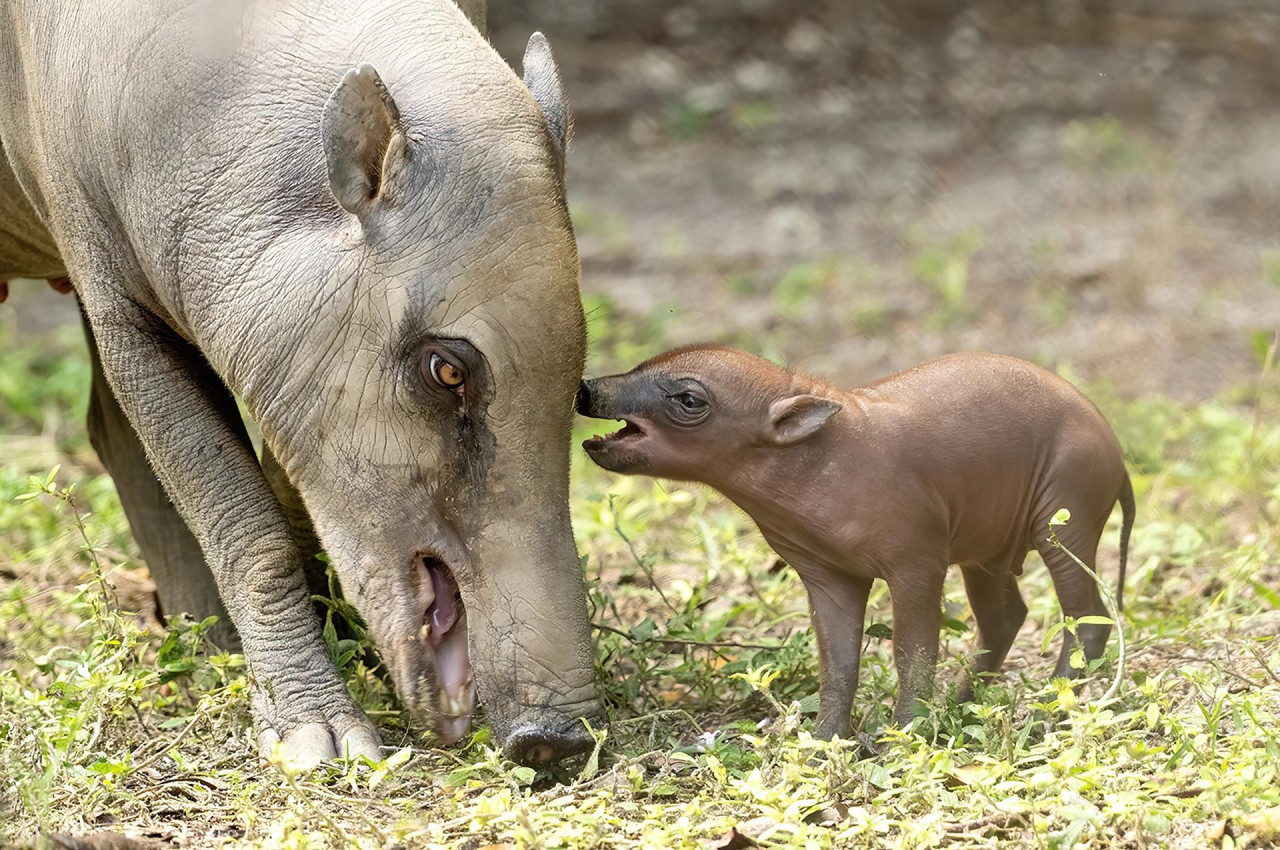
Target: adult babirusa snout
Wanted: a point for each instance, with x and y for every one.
(530, 639)
(545, 744)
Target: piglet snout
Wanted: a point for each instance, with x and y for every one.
(582, 403)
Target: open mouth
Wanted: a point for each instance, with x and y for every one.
(630, 432)
(444, 629)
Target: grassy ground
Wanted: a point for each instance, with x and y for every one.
(706, 662)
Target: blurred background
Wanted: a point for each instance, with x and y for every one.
(855, 186)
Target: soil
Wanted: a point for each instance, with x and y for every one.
(1102, 179)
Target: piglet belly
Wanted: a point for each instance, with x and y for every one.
(995, 534)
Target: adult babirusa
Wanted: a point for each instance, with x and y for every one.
(354, 219)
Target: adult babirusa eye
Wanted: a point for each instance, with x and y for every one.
(690, 402)
(447, 374)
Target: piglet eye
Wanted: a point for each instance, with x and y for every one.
(448, 375)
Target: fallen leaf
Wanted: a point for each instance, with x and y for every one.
(733, 840)
(757, 827)
(828, 816)
(1264, 824)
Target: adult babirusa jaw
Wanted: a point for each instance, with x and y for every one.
(443, 635)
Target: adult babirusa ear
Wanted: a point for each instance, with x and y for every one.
(361, 136)
(798, 417)
(542, 78)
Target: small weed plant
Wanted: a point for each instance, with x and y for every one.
(707, 667)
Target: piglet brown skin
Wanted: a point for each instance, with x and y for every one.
(960, 460)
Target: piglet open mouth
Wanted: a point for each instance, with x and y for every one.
(630, 432)
(444, 630)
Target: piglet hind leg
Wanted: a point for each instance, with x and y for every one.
(917, 621)
(1077, 592)
(999, 612)
(838, 604)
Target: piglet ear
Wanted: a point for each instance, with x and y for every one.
(798, 418)
(359, 125)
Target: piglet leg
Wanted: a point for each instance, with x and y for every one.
(917, 620)
(1077, 593)
(999, 611)
(838, 604)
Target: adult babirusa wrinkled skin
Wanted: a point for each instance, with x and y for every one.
(960, 460)
(351, 215)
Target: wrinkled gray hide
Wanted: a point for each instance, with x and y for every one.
(351, 215)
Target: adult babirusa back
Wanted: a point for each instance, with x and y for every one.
(352, 216)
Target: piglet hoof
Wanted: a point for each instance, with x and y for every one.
(311, 744)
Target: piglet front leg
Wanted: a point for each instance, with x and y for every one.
(917, 621)
(838, 605)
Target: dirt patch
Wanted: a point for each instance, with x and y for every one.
(858, 186)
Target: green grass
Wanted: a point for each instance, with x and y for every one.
(706, 664)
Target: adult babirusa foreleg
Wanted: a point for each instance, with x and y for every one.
(184, 582)
(189, 425)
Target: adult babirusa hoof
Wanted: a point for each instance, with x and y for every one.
(307, 746)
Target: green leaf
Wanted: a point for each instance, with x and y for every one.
(104, 766)
(1095, 620)
(524, 775)
(1271, 596)
(1050, 633)
(644, 630)
(399, 757)
(663, 789)
(461, 775)
(1070, 837)
(879, 631)
(593, 761)
(1061, 517)
(879, 775)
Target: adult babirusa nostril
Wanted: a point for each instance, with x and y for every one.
(583, 402)
(539, 754)
(540, 746)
